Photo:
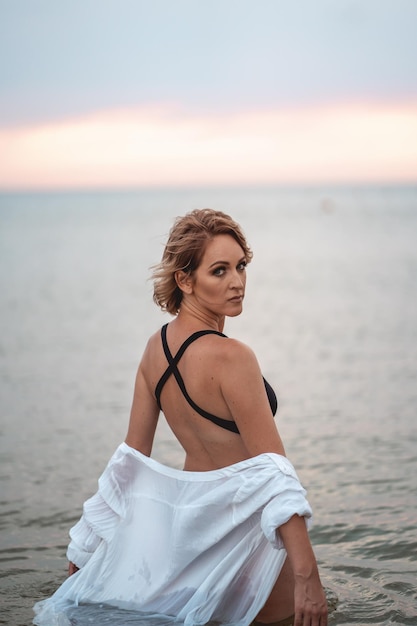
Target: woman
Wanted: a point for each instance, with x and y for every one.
(206, 543)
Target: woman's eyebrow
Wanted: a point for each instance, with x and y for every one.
(227, 262)
(221, 262)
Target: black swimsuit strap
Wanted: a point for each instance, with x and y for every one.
(173, 369)
(174, 360)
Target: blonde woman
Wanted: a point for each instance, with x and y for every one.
(225, 539)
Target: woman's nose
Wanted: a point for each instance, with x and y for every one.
(237, 280)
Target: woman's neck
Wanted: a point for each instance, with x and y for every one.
(194, 318)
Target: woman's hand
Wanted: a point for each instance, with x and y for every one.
(72, 568)
(310, 604)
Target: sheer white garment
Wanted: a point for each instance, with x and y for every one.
(192, 547)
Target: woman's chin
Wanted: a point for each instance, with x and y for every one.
(234, 313)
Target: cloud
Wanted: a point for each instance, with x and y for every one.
(160, 145)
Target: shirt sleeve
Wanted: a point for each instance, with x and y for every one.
(290, 499)
(102, 512)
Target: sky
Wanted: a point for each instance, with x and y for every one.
(139, 93)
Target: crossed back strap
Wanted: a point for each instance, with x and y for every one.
(173, 369)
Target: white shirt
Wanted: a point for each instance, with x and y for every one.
(190, 546)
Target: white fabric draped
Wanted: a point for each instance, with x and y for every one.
(192, 547)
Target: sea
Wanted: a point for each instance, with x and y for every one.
(330, 311)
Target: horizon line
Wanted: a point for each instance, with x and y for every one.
(307, 185)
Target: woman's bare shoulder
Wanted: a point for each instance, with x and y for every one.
(153, 343)
(234, 351)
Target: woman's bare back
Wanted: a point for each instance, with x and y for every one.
(207, 445)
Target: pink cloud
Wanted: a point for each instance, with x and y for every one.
(356, 142)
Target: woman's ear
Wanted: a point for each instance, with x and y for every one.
(184, 281)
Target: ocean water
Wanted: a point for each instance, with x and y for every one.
(330, 310)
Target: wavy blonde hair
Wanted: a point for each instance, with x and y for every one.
(184, 251)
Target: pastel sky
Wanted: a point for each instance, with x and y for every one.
(114, 93)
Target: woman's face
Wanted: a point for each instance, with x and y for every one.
(218, 284)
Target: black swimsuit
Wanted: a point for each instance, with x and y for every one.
(173, 369)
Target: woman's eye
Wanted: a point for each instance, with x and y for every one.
(242, 266)
(219, 271)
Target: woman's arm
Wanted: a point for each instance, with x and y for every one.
(310, 604)
(243, 389)
(142, 425)
(144, 413)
